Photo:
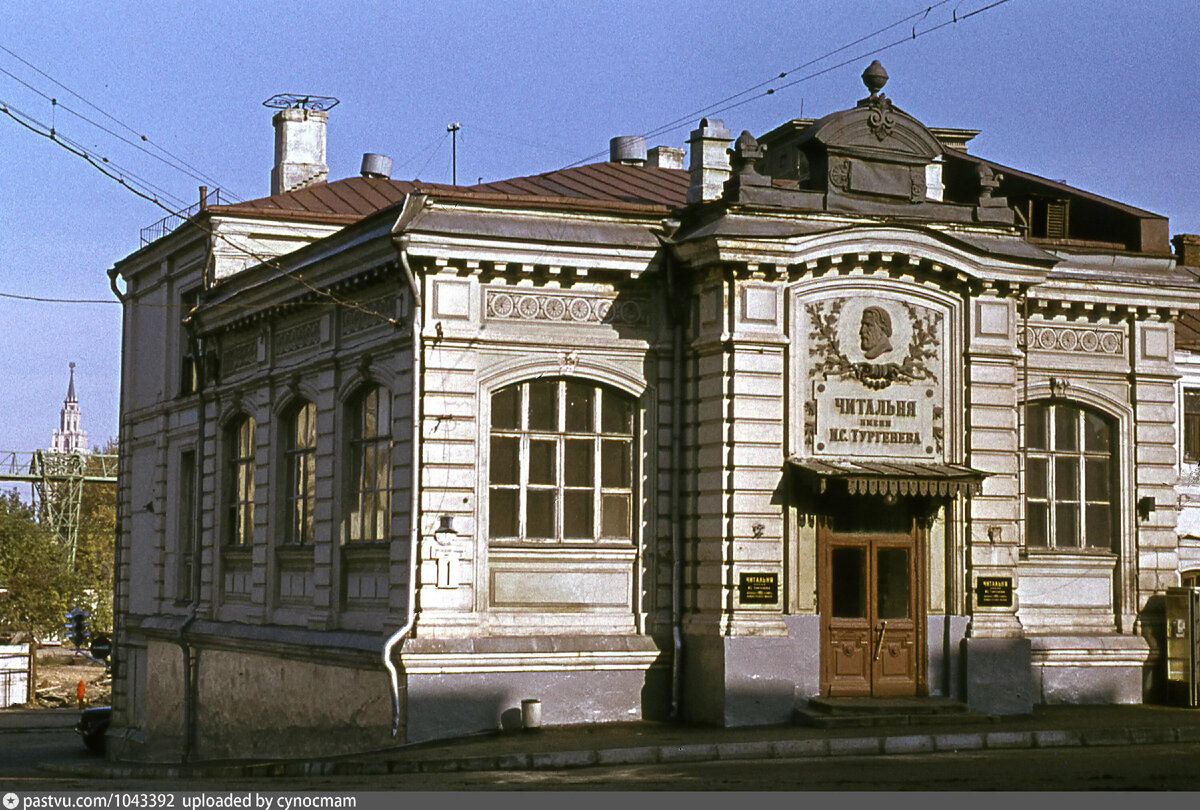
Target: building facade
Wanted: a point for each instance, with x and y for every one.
(840, 410)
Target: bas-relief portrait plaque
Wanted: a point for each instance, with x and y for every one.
(875, 371)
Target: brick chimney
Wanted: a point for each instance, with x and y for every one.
(299, 149)
(1187, 249)
(709, 167)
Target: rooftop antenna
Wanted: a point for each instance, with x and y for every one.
(300, 101)
(453, 130)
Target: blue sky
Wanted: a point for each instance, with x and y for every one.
(1103, 95)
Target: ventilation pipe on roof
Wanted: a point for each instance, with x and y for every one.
(627, 149)
(376, 165)
(299, 149)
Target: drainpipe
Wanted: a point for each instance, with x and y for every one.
(415, 477)
(189, 669)
(676, 473)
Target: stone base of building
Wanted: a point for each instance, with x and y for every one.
(751, 680)
(310, 707)
(997, 675)
(464, 686)
(1088, 668)
(944, 663)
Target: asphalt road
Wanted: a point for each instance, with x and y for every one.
(1152, 767)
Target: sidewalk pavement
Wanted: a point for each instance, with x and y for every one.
(649, 743)
(13, 720)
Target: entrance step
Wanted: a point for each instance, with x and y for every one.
(855, 712)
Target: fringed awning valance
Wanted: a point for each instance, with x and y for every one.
(886, 477)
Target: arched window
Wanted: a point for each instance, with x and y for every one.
(239, 478)
(1070, 477)
(370, 495)
(300, 459)
(561, 462)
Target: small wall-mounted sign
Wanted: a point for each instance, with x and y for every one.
(994, 591)
(758, 589)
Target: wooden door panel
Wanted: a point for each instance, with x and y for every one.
(855, 607)
(849, 661)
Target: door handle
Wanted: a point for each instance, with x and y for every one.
(879, 644)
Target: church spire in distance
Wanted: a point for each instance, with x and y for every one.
(70, 437)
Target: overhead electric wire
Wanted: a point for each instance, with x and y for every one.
(716, 107)
(179, 162)
(91, 159)
(692, 115)
(122, 175)
(727, 103)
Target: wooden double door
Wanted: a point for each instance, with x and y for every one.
(871, 598)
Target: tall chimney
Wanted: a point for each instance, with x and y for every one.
(1187, 249)
(299, 149)
(709, 168)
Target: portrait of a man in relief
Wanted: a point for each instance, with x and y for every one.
(875, 332)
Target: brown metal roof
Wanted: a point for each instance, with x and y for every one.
(601, 181)
(345, 200)
(348, 200)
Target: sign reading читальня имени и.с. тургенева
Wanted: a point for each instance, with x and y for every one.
(875, 367)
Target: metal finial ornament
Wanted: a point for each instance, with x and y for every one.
(874, 77)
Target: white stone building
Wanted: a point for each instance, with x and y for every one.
(842, 410)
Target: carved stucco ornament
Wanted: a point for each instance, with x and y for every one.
(880, 119)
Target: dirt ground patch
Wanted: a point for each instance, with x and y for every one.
(58, 678)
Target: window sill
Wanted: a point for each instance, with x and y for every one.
(1097, 556)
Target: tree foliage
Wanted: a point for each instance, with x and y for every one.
(38, 584)
(94, 553)
(35, 571)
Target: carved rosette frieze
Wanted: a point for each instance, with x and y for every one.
(1083, 339)
(367, 315)
(547, 307)
(239, 356)
(298, 337)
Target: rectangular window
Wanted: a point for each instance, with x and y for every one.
(1191, 425)
(188, 365)
(1070, 472)
(561, 465)
(301, 460)
(240, 487)
(186, 530)
(371, 461)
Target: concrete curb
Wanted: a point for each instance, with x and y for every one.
(874, 745)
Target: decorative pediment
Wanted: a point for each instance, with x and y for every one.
(874, 128)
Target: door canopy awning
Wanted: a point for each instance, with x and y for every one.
(892, 477)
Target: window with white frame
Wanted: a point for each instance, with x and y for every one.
(300, 458)
(239, 487)
(561, 462)
(1191, 425)
(370, 487)
(1070, 477)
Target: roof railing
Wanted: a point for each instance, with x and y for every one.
(170, 222)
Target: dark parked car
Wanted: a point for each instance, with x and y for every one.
(93, 723)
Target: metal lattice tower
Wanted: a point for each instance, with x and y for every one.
(57, 480)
